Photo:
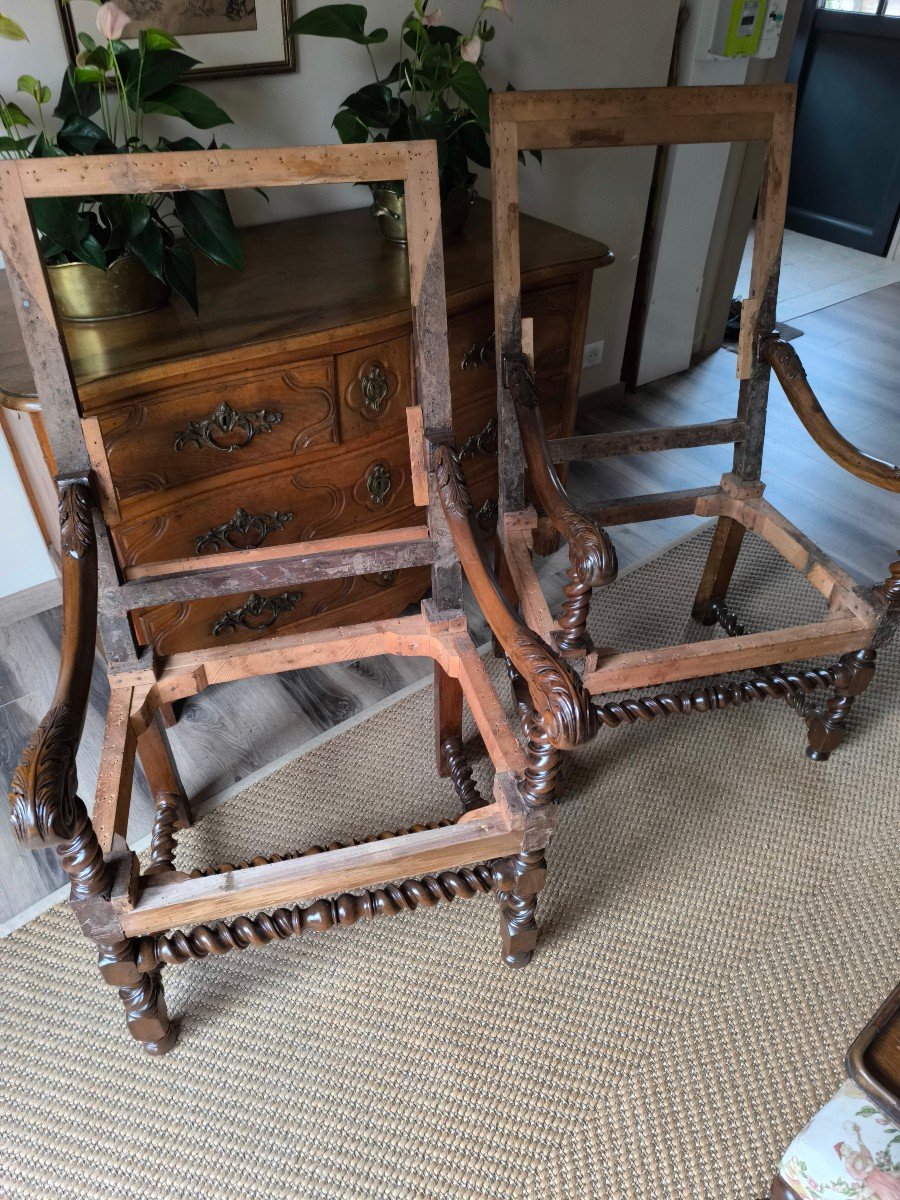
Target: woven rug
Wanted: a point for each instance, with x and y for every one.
(719, 921)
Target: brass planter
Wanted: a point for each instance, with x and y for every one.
(84, 293)
(389, 210)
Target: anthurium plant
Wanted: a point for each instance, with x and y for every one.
(103, 102)
(435, 89)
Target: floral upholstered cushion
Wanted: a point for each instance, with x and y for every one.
(849, 1149)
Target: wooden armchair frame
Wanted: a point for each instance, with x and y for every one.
(132, 915)
(858, 619)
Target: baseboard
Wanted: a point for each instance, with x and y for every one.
(30, 601)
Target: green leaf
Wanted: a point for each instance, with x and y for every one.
(472, 90)
(12, 31)
(9, 143)
(189, 104)
(29, 85)
(76, 97)
(346, 21)
(80, 135)
(180, 272)
(157, 39)
(11, 116)
(474, 142)
(147, 245)
(373, 105)
(185, 143)
(161, 68)
(87, 41)
(58, 217)
(209, 228)
(431, 125)
(443, 33)
(349, 127)
(89, 75)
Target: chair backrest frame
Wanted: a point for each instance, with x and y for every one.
(413, 163)
(615, 117)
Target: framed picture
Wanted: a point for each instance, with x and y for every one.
(228, 37)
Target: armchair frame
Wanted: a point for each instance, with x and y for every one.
(859, 619)
(133, 915)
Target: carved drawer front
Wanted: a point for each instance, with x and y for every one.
(375, 387)
(367, 489)
(471, 338)
(156, 444)
(226, 620)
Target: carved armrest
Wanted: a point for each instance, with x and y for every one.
(591, 551)
(45, 808)
(788, 368)
(561, 702)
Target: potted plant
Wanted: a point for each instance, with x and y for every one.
(112, 256)
(434, 90)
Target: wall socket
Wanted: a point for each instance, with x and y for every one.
(593, 352)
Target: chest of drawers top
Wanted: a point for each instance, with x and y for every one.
(329, 277)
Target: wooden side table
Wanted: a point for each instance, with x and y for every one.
(279, 414)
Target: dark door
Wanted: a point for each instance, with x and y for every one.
(845, 173)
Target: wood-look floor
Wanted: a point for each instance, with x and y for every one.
(852, 354)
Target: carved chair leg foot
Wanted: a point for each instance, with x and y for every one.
(142, 995)
(519, 881)
(827, 723)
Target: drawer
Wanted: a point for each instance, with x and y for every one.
(472, 362)
(176, 627)
(154, 444)
(368, 489)
(475, 423)
(374, 384)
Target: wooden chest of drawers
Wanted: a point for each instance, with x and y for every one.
(279, 416)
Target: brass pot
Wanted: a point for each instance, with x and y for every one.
(389, 210)
(84, 293)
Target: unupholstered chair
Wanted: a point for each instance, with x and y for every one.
(860, 619)
(133, 915)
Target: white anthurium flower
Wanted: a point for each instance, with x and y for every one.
(470, 50)
(111, 20)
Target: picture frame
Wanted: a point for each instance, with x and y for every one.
(244, 37)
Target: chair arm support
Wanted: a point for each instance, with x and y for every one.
(561, 702)
(788, 368)
(591, 551)
(45, 808)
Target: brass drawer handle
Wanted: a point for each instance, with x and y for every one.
(378, 483)
(480, 354)
(483, 442)
(375, 388)
(254, 528)
(225, 421)
(257, 613)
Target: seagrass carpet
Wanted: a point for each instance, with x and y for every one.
(720, 919)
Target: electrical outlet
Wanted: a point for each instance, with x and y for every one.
(593, 352)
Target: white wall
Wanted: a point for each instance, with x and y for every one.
(548, 44)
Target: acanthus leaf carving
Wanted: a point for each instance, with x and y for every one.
(561, 701)
(42, 791)
(76, 527)
(591, 550)
(451, 481)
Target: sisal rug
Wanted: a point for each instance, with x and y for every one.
(721, 918)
